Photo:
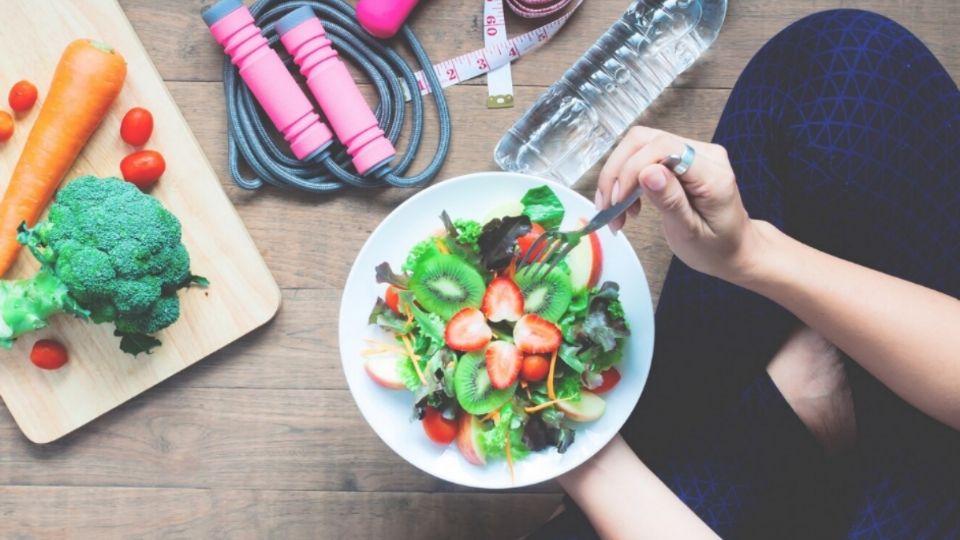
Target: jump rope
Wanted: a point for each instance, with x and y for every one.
(315, 33)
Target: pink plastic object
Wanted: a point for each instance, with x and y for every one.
(383, 18)
(263, 71)
(335, 90)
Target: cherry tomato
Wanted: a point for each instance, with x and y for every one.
(22, 96)
(137, 126)
(439, 429)
(143, 168)
(392, 298)
(610, 379)
(6, 126)
(534, 368)
(48, 354)
(527, 240)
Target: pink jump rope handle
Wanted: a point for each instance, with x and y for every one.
(263, 71)
(333, 87)
(383, 18)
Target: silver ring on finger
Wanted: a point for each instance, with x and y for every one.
(681, 163)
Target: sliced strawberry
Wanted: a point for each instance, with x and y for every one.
(467, 331)
(527, 240)
(503, 364)
(534, 334)
(503, 300)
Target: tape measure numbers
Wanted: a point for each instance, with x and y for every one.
(473, 64)
(499, 80)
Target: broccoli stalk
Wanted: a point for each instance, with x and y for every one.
(109, 253)
(26, 304)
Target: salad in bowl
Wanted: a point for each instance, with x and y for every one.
(501, 362)
(415, 333)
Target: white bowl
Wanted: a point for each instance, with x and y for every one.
(389, 412)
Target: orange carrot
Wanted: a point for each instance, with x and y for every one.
(87, 80)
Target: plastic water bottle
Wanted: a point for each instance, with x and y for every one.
(583, 114)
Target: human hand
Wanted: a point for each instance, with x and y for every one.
(703, 218)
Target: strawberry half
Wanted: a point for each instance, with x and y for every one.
(503, 300)
(534, 334)
(503, 364)
(467, 331)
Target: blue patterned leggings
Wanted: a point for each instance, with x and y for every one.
(844, 131)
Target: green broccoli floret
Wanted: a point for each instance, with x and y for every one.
(109, 253)
(468, 232)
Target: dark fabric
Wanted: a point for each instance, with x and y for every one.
(844, 131)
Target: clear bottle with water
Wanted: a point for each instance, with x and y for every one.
(583, 114)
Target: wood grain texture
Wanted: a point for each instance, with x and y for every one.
(143, 513)
(243, 294)
(261, 440)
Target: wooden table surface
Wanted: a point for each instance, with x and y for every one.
(262, 440)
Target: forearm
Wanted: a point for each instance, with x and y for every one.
(624, 499)
(906, 335)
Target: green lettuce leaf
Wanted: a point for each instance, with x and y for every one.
(430, 323)
(605, 323)
(386, 318)
(468, 232)
(425, 249)
(408, 374)
(567, 387)
(570, 356)
(604, 360)
(494, 440)
(542, 206)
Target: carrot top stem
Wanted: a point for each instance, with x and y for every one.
(101, 45)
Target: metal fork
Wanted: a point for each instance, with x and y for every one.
(556, 245)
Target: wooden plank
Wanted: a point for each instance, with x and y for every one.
(182, 47)
(241, 438)
(54, 513)
(243, 295)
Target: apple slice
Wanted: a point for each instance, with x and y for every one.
(589, 408)
(585, 262)
(382, 368)
(467, 434)
(506, 209)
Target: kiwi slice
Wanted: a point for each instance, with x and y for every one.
(445, 284)
(472, 385)
(548, 296)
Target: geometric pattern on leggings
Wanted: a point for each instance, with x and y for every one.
(845, 131)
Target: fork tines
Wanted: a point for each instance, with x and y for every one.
(553, 248)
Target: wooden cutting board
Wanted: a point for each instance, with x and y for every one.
(242, 295)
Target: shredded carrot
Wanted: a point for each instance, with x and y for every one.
(441, 247)
(405, 307)
(492, 415)
(413, 358)
(509, 457)
(553, 366)
(544, 405)
(511, 271)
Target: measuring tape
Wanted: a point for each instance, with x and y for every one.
(473, 64)
(499, 80)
